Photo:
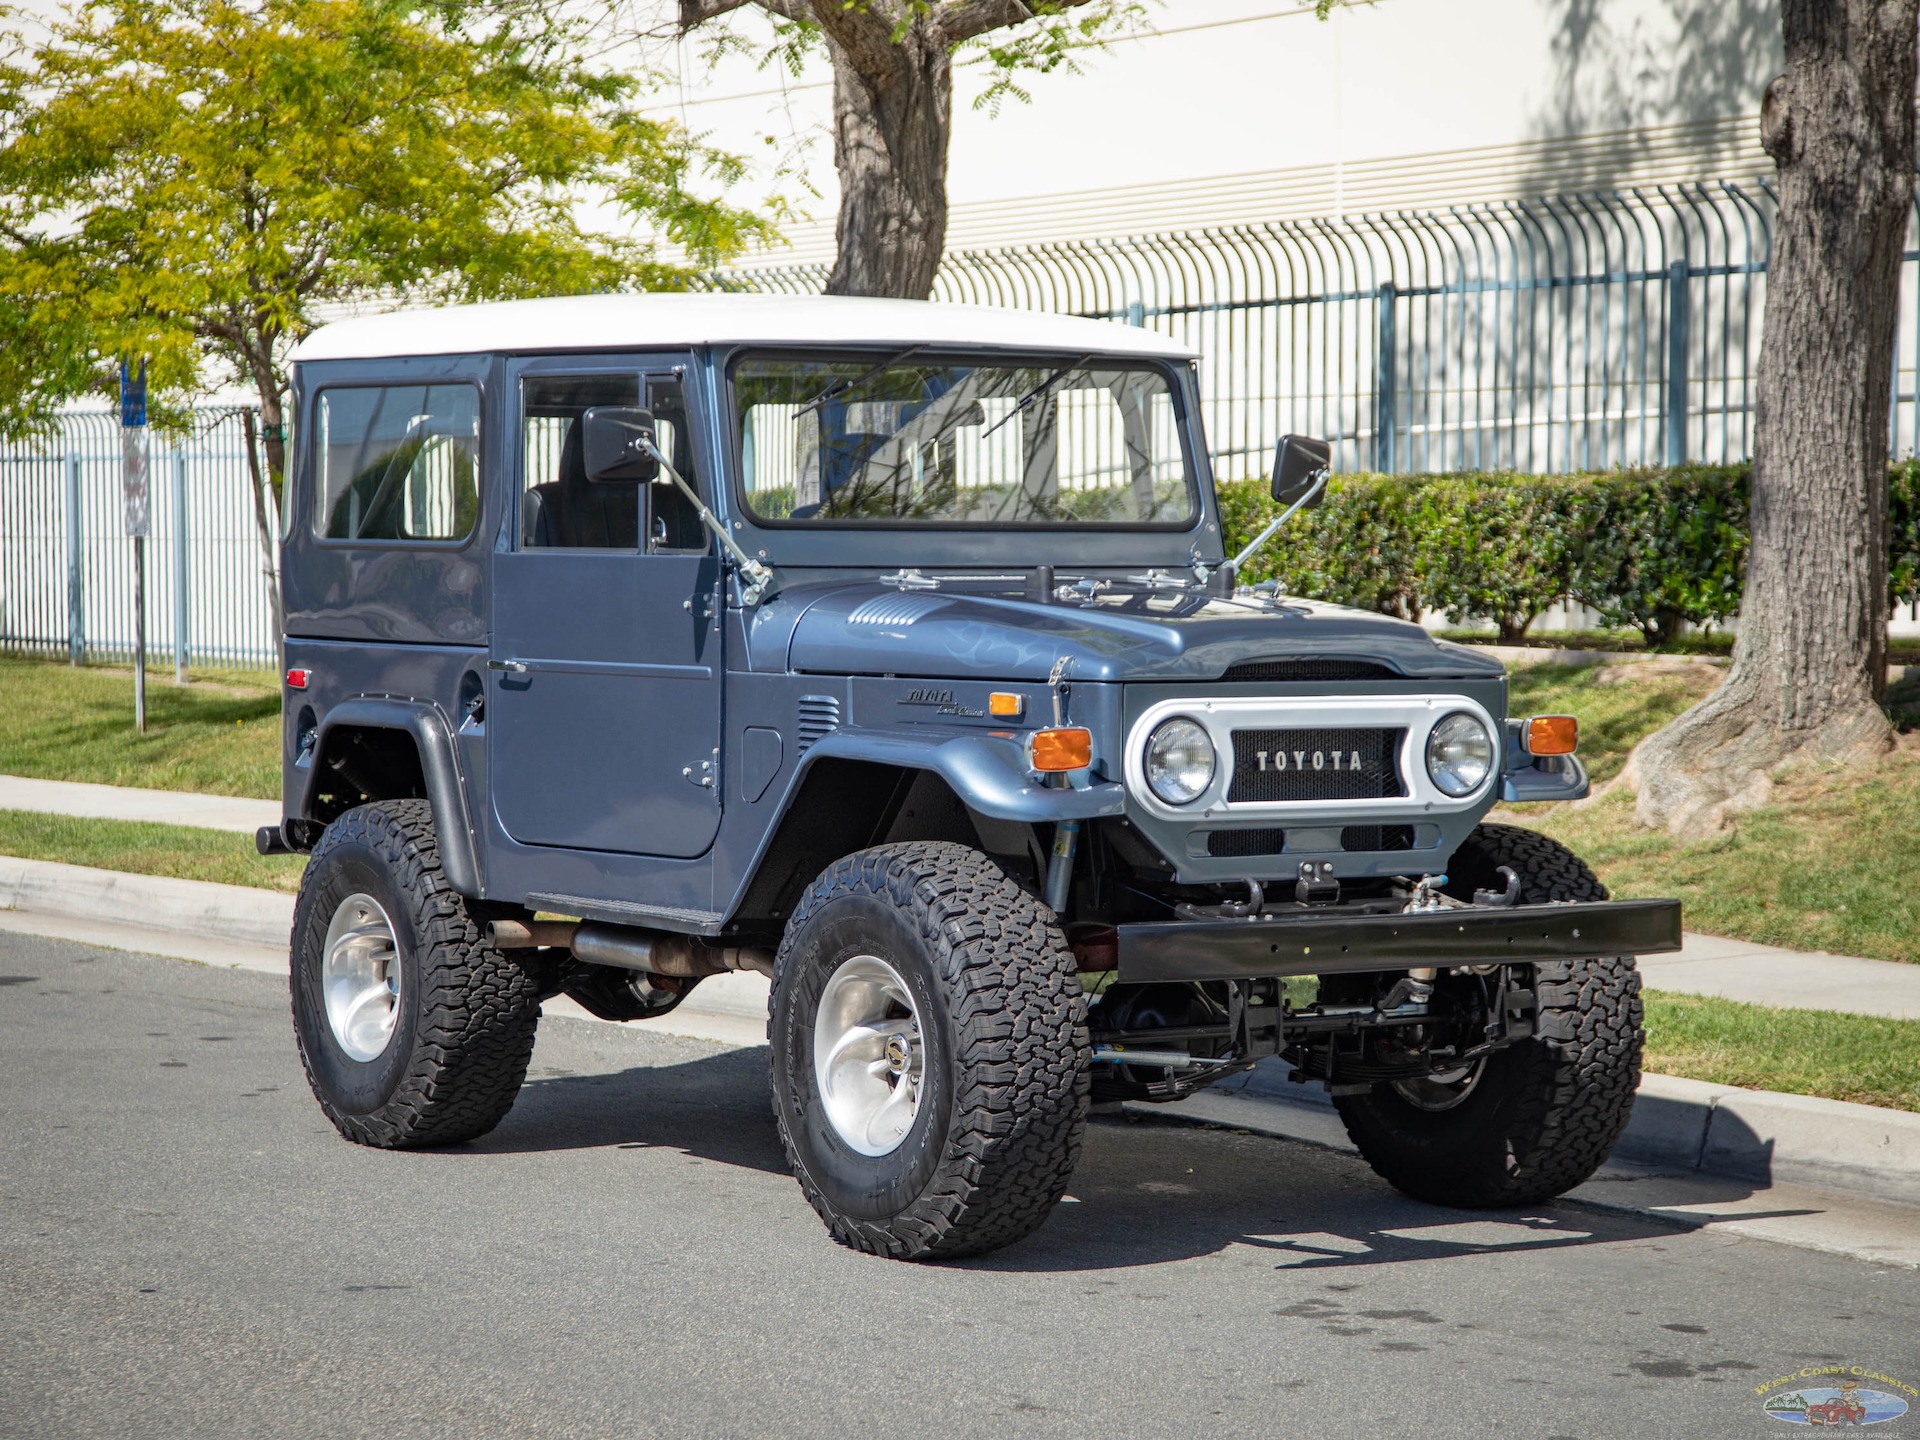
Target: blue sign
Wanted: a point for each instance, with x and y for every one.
(135, 503)
(133, 395)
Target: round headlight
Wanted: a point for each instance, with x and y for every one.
(1180, 761)
(1459, 754)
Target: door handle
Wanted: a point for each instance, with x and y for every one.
(509, 667)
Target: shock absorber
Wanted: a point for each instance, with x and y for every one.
(1066, 840)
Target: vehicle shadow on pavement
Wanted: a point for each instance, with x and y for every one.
(1148, 1192)
(716, 1107)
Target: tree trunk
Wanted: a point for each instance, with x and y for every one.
(273, 435)
(1809, 664)
(1513, 628)
(892, 116)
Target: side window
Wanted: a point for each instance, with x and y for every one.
(675, 524)
(397, 462)
(562, 509)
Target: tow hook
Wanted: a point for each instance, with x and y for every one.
(1501, 899)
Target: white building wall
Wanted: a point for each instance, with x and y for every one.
(1234, 110)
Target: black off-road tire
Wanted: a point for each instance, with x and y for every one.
(1004, 1030)
(1545, 1113)
(464, 1027)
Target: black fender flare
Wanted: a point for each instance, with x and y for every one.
(439, 771)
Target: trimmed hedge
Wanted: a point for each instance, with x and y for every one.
(1646, 548)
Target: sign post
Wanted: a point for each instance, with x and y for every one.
(137, 507)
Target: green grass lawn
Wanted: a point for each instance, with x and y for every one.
(221, 737)
(1618, 705)
(183, 851)
(1832, 864)
(1804, 1052)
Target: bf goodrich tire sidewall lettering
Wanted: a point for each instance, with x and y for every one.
(870, 1187)
(356, 1087)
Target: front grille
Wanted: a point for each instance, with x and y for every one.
(1343, 763)
(1310, 670)
(1225, 844)
(1377, 837)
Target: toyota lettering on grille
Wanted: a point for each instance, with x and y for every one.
(1307, 759)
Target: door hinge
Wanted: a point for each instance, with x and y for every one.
(704, 774)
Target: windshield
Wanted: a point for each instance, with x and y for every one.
(913, 441)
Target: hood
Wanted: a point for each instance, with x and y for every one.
(869, 629)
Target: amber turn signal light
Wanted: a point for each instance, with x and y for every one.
(1006, 705)
(1070, 748)
(1552, 735)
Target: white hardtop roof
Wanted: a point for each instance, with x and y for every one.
(648, 322)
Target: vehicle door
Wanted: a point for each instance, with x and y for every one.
(604, 680)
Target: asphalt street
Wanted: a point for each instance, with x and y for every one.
(187, 1248)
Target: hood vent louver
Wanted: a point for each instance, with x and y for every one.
(1311, 669)
(896, 610)
(819, 718)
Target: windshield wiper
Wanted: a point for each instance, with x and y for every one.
(841, 387)
(1036, 392)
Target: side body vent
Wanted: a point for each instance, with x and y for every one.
(819, 718)
(1310, 670)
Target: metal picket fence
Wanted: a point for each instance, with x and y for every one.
(66, 566)
(1577, 332)
(1571, 333)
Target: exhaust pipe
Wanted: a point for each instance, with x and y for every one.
(656, 952)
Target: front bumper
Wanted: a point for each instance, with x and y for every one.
(1328, 942)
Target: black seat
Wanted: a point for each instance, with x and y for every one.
(575, 513)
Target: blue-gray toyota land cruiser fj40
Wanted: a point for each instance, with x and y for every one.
(892, 650)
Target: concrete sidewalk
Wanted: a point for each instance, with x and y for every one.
(1793, 979)
(1708, 965)
(119, 802)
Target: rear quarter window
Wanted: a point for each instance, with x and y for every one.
(397, 462)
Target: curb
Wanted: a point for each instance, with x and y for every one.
(151, 902)
(1769, 1136)
(1765, 1137)
(1686, 1125)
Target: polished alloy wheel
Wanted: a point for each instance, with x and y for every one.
(1442, 1090)
(867, 1055)
(360, 977)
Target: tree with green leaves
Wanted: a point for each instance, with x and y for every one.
(893, 106)
(198, 183)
